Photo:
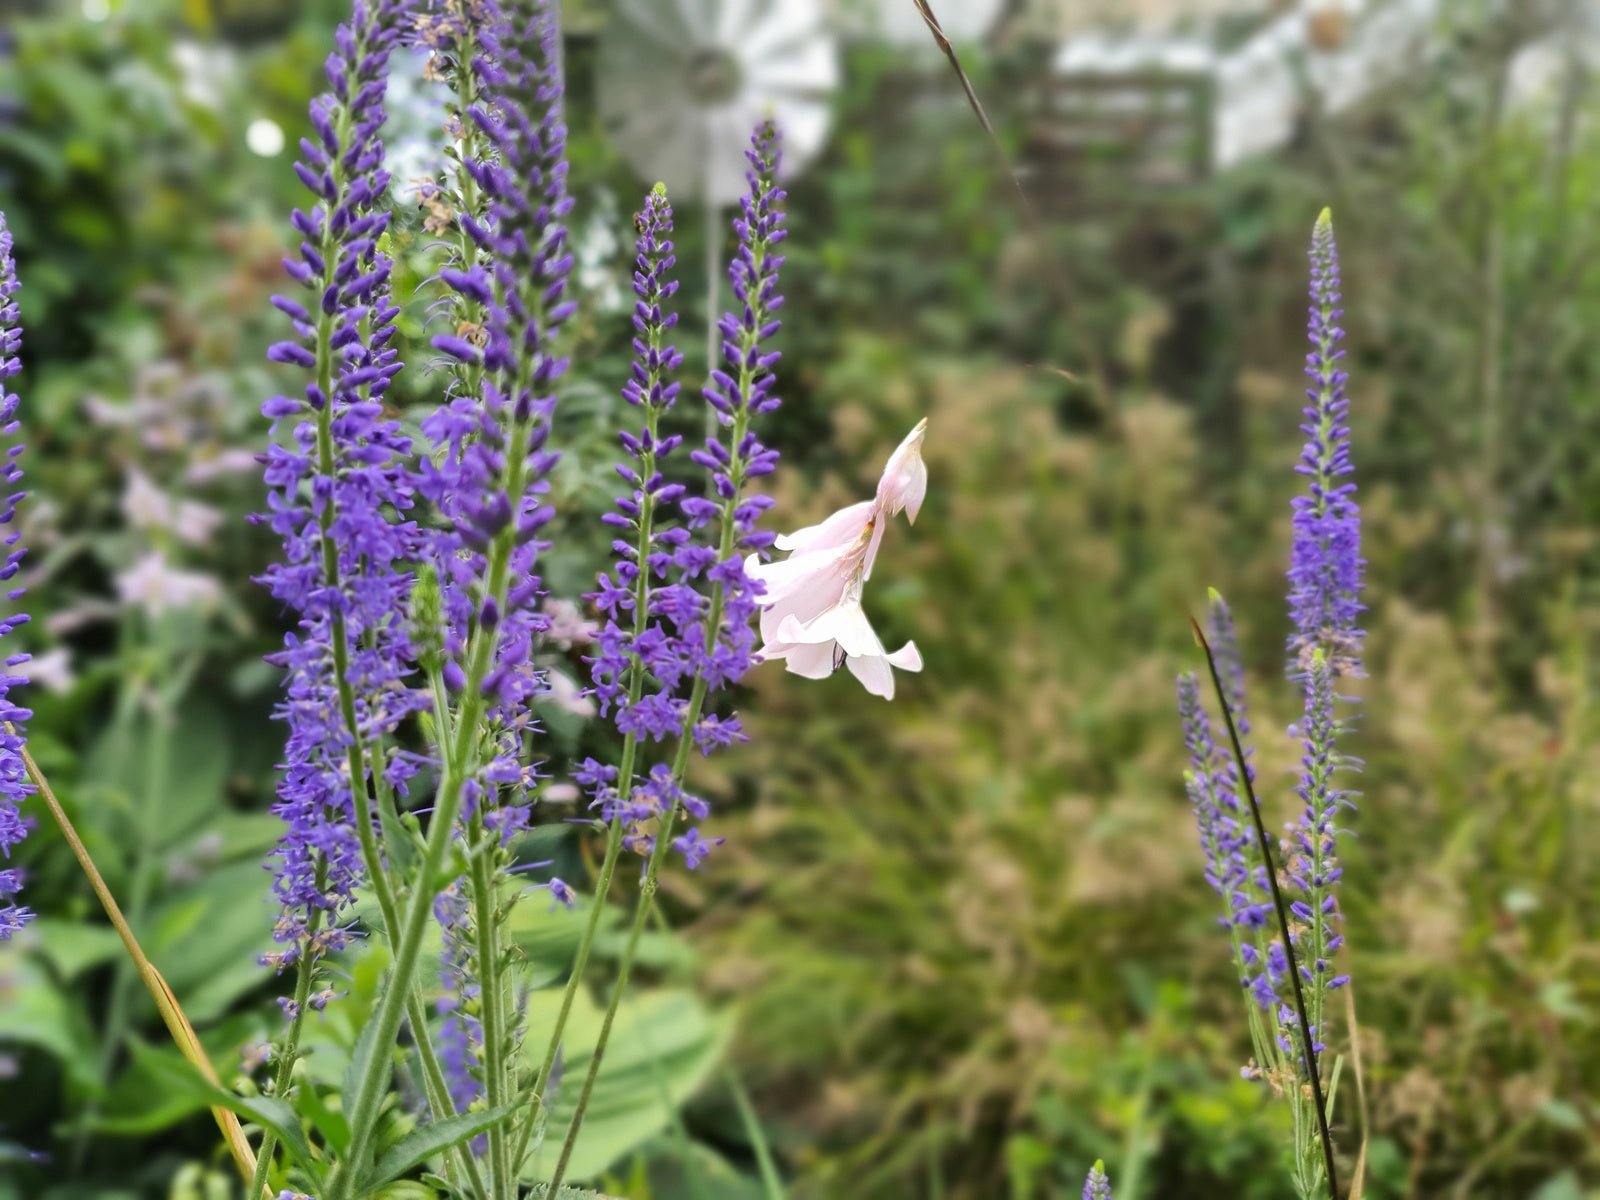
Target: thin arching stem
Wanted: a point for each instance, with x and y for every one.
(1278, 905)
(177, 1023)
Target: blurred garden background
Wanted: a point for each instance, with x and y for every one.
(958, 945)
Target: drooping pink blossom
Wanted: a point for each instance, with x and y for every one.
(842, 635)
(815, 594)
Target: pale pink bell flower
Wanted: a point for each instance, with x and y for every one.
(825, 572)
(842, 635)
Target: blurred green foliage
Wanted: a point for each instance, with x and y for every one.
(965, 937)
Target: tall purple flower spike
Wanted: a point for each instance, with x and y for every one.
(14, 783)
(334, 487)
(651, 389)
(1325, 566)
(503, 399)
(1325, 602)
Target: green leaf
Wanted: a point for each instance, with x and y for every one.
(266, 1111)
(398, 842)
(207, 938)
(548, 937)
(139, 1102)
(329, 1122)
(72, 947)
(37, 1013)
(422, 1144)
(663, 1047)
(356, 1069)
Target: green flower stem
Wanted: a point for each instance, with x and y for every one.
(434, 1085)
(492, 1005)
(771, 1182)
(680, 764)
(580, 962)
(461, 761)
(641, 914)
(630, 750)
(289, 1052)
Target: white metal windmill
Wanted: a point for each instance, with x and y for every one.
(682, 83)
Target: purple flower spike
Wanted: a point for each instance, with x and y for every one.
(1325, 584)
(1326, 567)
(1313, 869)
(334, 489)
(1097, 1186)
(487, 477)
(644, 616)
(1225, 840)
(14, 783)
(678, 604)
(740, 393)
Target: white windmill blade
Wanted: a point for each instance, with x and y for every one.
(683, 82)
(900, 23)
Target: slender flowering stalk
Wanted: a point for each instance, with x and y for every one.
(715, 635)
(1325, 578)
(635, 643)
(1097, 1186)
(15, 786)
(485, 478)
(338, 494)
(1290, 978)
(511, 266)
(1233, 864)
(460, 1034)
(1313, 1180)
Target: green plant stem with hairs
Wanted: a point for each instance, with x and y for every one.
(288, 1051)
(630, 751)
(493, 1014)
(1281, 909)
(372, 857)
(461, 760)
(680, 762)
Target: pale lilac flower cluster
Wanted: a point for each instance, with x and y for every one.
(337, 495)
(14, 783)
(1097, 1186)
(1233, 865)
